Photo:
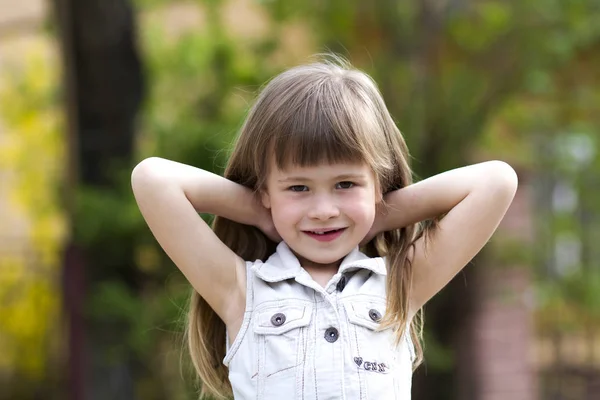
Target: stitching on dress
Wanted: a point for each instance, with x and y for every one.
(281, 370)
(303, 363)
(315, 345)
(260, 384)
(360, 385)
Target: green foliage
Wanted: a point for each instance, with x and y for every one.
(201, 86)
(31, 156)
(439, 357)
(571, 305)
(510, 252)
(146, 5)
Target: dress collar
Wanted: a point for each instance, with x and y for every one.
(283, 264)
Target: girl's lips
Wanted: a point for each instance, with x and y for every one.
(327, 236)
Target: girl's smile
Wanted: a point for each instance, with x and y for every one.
(327, 235)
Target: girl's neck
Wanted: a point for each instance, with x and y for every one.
(320, 273)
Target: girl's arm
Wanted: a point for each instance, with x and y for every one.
(170, 195)
(474, 199)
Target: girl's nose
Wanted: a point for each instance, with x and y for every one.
(323, 209)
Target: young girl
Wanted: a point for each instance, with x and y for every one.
(285, 305)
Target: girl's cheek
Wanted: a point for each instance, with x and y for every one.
(287, 209)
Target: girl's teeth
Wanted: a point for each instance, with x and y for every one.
(324, 232)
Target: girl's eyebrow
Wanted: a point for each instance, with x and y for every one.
(337, 178)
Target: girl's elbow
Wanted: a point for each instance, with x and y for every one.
(504, 178)
(510, 177)
(144, 173)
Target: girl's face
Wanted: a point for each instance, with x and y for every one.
(322, 212)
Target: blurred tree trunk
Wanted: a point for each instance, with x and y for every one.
(103, 89)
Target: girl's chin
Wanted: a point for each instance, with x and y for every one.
(319, 261)
(318, 255)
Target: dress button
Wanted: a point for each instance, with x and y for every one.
(278, 319)
(331, 335)
(374, 315)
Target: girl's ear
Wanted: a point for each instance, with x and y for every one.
(265, 199)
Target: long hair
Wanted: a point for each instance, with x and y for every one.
(325, 112)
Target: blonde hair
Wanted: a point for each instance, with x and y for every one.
(325, 112)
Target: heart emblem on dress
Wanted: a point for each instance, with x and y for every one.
(358, 361)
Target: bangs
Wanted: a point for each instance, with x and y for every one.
(312, 145)
(323, 130)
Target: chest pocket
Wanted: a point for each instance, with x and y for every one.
(380, 367)
(371, 344)
(280, 332)
(368, 314)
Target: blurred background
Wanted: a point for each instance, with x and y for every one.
(91, 308)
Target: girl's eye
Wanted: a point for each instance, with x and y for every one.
(344, 185)
(298, 188)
